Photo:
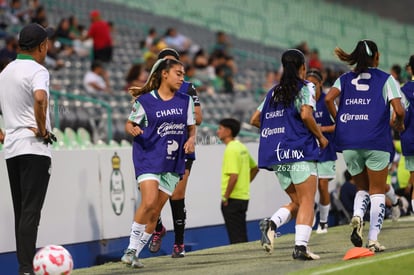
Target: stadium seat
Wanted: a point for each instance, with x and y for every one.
(60, 139)
(84, 138)
(70, 138)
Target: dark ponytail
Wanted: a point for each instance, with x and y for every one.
(363, 55)
(287, 90)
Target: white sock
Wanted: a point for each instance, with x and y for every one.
(361, 202)
(391, 195)
(142, 242)
(281, 216)
(324, 212)
(136, 231)
(412, 205)
(377, 215)
(302, 234)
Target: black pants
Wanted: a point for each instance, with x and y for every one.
(104, 55)
(234, 215)
(29, 178)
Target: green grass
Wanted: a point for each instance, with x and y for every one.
(400, 262)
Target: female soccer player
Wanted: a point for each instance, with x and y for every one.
(363, 133)
(163, 125)
(327, 158)
(407, 140)
(288, 147)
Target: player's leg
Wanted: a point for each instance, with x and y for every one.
(377, 170)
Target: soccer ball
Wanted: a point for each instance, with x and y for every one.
(52, 260)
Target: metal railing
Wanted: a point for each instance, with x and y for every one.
(56, 95)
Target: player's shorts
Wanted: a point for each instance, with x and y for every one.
(166, 181)
(357, 160)
(188, 164)
(295, 172)
(409, 163)
(326, 169)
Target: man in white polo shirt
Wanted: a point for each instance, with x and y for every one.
(24, 101)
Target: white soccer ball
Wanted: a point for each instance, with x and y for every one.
(52, 260)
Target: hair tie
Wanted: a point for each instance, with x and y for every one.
(367, 49)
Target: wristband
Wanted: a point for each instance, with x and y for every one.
(224, 199)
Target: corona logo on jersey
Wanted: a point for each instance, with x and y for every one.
(344, 118)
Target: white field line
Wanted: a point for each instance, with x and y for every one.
(374, 259)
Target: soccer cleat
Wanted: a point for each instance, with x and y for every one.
(136, 263)
(268, 235)
(395, 211)
(356, 235)
(128, 256)
(303, 253)
(178, 251)
(375, 246)
(322, 228)
(155, 244)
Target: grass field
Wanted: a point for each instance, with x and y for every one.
(249, 258)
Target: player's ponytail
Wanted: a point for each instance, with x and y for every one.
(287, 90)
(363, 55)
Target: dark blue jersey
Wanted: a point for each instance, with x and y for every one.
(407, 136)
(363, 118)
(284, 138)
(160, 148)
(323, 118)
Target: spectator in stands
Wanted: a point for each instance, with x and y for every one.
(222, 43)
(176, 40)
(365, 109)
(288, 145)
(158, 170)
(136, 76)
(16, 14)
(40, 16)
(327, 156)
(64, 36)
(407, 144)
(314, 61)
(238, 171)
(97, 79)
(100, 32)
(9, 52)
(151, 36)
(53, 60)
(81, 46)
(226, 65)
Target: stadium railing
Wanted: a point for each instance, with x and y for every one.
(56, 113)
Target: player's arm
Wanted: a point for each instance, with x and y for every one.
(330, 97)
(136, 117)
(197, 106)
(255, 119)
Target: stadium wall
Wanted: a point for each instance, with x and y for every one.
(92, 219)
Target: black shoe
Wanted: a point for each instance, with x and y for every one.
(301, 252)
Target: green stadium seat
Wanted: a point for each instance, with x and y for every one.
(70, 138)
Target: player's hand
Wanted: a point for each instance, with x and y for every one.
(323, 142)
(189, 146)
(136, 131)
